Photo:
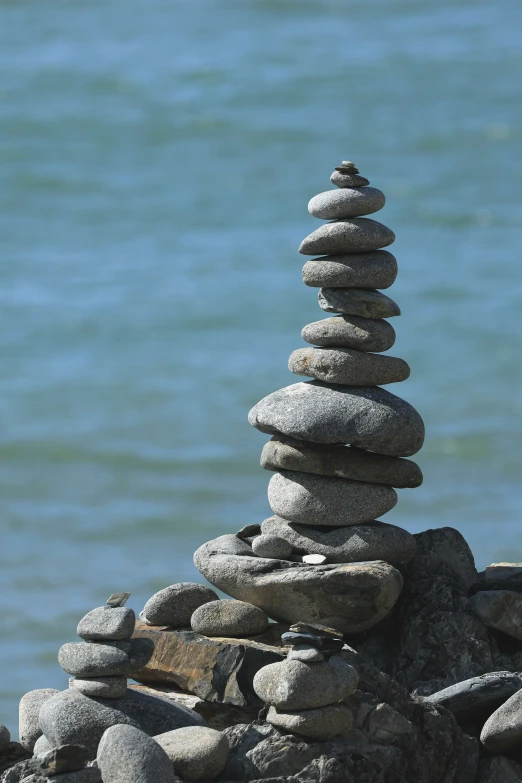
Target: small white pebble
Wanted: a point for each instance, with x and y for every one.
(314, 559)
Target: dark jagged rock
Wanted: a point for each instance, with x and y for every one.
(499, 770)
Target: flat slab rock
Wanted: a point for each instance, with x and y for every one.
(355, 270)
(348, 366)
(347, 236)
(366, 303)
(478, 697)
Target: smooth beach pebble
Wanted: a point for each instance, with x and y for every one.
(357, 301)
(346, 203)
(347, 236)
(107, 622)
(348, 180)
(94, 659)
(271, 546)
(28, 712)
(197, 753)
(295, 685)
(128, 755)
(321, 724)
(229, 618)
(305, 653)
(351, 331)
(377, 269)
(348, 367)
(174, 605)
(100, 687)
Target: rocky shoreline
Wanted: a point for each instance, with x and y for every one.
(349, 651)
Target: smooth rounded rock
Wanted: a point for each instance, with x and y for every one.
(346, 203)
(5, 737)
(42, 745)
(321, 724)
(349, 597)
(197, 753)
(175, 605)
(127, 755)
(503, 729)
(271, 546)
(107, 623)
(100, 687)
(367, 417)
(94, 659)
(305, 653)
(354, 544)
(347, 236)
(317, 500)
(363, 302)
(348, 367)
(28, 712)
(377, 269)
(295, 685)
(343, 331)
(500, 609)
(348, 180)
(281, 453)
(229, 618)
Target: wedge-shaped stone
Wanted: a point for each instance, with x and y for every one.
(500, 609)
(370, 418)
(377, 269)
(346, 203)
(347, 236)
(296, 685)
(351, 597)
(363, 302)
(351, 331)
(317, 500)
(348, 366)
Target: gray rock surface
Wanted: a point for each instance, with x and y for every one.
(351, 597)
(362, 302)
(348, 180)
(370, 418)
(475, 699)
(42, 744)
(305, 653)
(503, 729)
(348, 366)
(347, 236)
(323, 723)
(197, 753)
(350, 331)
(28, 713)
(272, 546)
(282, 453)
(499, 770)
(354, 544)
(295, 685)
(500, 609)
(308, 499)
(229, 618)
(175, 605)
(346, 203)
(127, 755)
(5, 738)
(96, 659)
(107, 622)
(100, 687)
(377, 269)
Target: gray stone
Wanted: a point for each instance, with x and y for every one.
(175, 605)
(348, 366)
(65, 758)
(348, 180)
(355, 544)
(28, 713)
(346, 203)
(305, 653)
(499, 770)
(118, 599)
(343, 331)
(503, 729)
(500, 609)
(370, 418)
(127, 755)
(107, 622)
(247, 531)
(282, 453)
(347, 236)
(315, 629)
(42, 744)
(5, 737)
(272, 546)
(323, 723)
(100, 687)
(296, 637)
(294, 685)
(93, 659)
(377, 269)
(314, 559)
(197, 753)
(351, 597)
(475, 699)
(229, 618)
(308, 499)
(364, 302)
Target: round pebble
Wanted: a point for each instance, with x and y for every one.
(107, 623)
(320, 724)
(100, 687)
(355, 270)
(174, 605)
(346, 203)
(351, 331)
(229, 618)
(197, 753)
(272, 546)
(347, 236)
(348, 180)
(306, 653)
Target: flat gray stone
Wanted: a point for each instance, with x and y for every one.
(127, 755)
(271, 546)
(118, 599)
(478, 695)
(305, 653)
(355, 544)
(377, 269)
(229, 618)
(5, 737)
(347, 236)
(323, 723)
(499, 769)
(196, 753)
(348, 180)
(368, 417)
(96, 659)
(503, 729)
(175, 605)
(283, 453)
(28, 713)
(350, 597)
(100, 687)
(107, 622)
(500, 609)
(318, 500)
(346, 203)
(343, 331)
(364, 302)
(348, 367)
(295, 685)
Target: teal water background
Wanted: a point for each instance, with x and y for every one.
(157, 159)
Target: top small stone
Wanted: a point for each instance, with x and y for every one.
(118, 599)
(347, 167)
(347, 176)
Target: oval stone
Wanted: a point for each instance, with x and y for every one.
(347, 236)
(229, 618)
(357, 301)
(377, 269)
(348, 180)
(317, 500)
(321, 724)
(342, 331)
(175, 605)
(296, 685)
(348, 366)
(370, 418)
(346, 203)
(107, 623)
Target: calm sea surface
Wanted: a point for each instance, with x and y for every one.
(157, 159)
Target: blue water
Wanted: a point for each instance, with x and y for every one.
(157, 160)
